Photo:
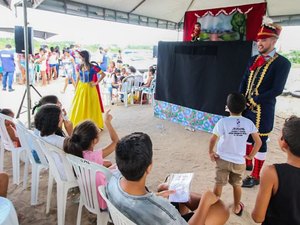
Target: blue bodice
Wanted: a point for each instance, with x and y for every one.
(87, 76)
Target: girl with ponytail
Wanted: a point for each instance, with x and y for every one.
(85, 137)
(83, 141)
(45, 100)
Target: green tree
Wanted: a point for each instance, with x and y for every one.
(293, 56)
(238, 23)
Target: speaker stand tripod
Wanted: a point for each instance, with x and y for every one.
(21, 105)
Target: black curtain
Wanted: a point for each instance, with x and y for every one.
(200, 75)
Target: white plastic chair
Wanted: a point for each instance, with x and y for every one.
(105, 95)
(150, 91)
(7, 144)
(28, 141)
(118, 218)
(138, 80)
(61, 170)
(127, 84)
(86, 175)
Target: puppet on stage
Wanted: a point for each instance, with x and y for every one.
(196, 33)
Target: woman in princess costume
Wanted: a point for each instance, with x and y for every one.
(87, 103)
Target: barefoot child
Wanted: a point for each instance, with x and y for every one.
(232, 132)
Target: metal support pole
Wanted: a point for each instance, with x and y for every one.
(26, 46)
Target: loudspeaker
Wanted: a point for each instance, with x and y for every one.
(19, 39)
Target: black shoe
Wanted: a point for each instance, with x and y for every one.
(249, 167)
(10, 90)
(3, 89)
(250, 182)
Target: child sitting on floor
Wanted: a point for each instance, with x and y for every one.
(278, 198)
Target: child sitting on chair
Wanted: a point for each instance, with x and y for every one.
(278, 198)
(52, 99)
(82, 142)
(47, 121)
(150, 77)
(85, 137)
(11, 128)
(127, 191)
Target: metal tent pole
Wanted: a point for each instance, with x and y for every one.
(26, 46)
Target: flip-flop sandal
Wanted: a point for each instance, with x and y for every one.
(240, 213)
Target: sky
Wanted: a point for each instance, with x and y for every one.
(91, 31)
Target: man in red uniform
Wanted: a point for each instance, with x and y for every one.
(263, 81)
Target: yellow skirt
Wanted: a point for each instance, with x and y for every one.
(86, 105)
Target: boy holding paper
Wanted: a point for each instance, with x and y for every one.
(233, 132)
(129, 194)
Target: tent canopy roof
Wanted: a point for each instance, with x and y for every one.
(162, 14)
(174, 10)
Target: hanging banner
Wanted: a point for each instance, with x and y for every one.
(224, 24)
(223, 27)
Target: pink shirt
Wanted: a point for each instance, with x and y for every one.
(96, 157)
(93, 156)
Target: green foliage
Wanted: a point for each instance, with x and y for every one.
(238, 23)
(144, 47)
(232, 36)
(36, 44)
(64, 44)
(91, 48)
(204, 36)
(5, 41)
(114, 48)
(293, 56)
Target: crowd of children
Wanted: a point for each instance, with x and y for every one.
(278, 197)
(279, 182)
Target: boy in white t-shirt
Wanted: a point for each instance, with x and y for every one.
(232, 132)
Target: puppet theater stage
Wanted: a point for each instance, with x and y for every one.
(194, 78)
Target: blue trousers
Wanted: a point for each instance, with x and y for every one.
(10, 76)
(110, 90)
